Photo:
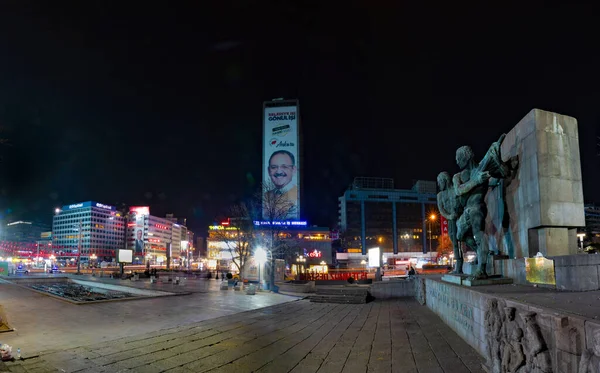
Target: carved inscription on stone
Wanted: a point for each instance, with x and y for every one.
(457, 310)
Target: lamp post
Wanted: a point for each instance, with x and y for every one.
(260, 256)
(431, 219)
(93, 259)
(79, 250)
(302, 260)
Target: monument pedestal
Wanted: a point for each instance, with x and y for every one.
(465, 280)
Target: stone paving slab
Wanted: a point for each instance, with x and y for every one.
(384, 336)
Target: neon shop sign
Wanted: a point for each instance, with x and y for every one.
(314, 254)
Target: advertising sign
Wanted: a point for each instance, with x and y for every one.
(374, 258)
(444, 224)
(281, 167)
(142, 210)
(88, 204)
(125, 256)
(138, 213)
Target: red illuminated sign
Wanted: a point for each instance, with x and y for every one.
(314, 254)
(444, 226)
(358, 275)
(142, 210)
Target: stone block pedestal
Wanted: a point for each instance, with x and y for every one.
(466, 281)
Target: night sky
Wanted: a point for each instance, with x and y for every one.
(162, 106)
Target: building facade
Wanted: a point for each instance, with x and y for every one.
(372, 213)
(85, 229)
(23, 231)
(313, 244)
(156, 240)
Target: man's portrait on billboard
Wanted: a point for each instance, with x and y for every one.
(139, 241)
(282, 169)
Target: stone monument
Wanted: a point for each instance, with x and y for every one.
(462, 202)
(525, 198)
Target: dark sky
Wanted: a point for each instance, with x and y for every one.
(130, 103)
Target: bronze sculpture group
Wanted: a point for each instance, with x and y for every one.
(461, 201)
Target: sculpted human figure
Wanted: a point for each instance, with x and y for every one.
(493, 332)
(536, 350)
(471, 185)
(590, 359)
(450, 208)
(513, 356)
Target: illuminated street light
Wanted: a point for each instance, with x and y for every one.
(260, 256)
(431, 219)
(301, 260)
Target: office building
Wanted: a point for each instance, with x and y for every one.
(87, 229)
(372, 213)
(157, 240)
(23, 231)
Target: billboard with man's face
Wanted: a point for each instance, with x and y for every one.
(138, 243)
(281, 168)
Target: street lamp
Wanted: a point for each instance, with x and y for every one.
(260, 256)
(302, 260)
(431, 219)
(93, 258)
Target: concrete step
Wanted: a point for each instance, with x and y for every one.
(338, 299)
(362, 291)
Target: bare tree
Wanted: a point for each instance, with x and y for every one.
(275, 208)
(239, 235)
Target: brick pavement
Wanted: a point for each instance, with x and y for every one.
(384, 336)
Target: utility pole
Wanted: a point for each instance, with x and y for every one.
(79, 251)
(37, 261)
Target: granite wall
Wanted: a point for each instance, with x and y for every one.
(543, 339)
(392, 289)
(541, 205)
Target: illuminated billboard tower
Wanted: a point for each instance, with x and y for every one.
(281, 151)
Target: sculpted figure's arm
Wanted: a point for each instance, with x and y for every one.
(494, 182)
(464, 188)
(441, 207)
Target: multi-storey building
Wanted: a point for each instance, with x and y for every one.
(372, 213)
(23, 231)
(156, 240)
(85, 229)
(311, 243)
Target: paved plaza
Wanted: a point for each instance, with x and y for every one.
(288, 335)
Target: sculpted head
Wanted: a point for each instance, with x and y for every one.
(464, 155)
(510, 313)
(444, 180)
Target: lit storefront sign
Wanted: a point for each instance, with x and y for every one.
(221, 228)
(314, 254)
